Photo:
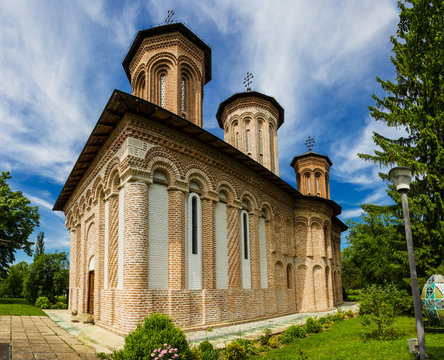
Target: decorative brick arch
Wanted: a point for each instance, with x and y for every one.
(112, 165)
(199, 176)
(266, 206)
(228, 189)
(135, 76)
(250, 198)
(97, 188)
(224, 178)
(185, 60)
(200, 171)
(161, 155)
(162, 56)
(319, 288)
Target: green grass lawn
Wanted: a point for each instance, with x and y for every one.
(11, 306)
(344, 341)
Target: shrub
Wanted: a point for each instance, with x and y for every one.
(208, 352)
(273, 342)
(350, 313)
(312, 326)
(263, 348)
(196, 353)
(249, 346)
(379, 306)
(235, 351)
(265, 337)
(292, 333)
(156, 332)
(43, 302)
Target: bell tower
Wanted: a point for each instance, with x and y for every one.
(250, 121)
(312, 172)
(169, 65)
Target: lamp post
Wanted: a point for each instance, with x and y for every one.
(401, 177)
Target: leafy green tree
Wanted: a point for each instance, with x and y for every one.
(39, 244)
(415, 102)
(48, 276)
(13, 284)
(376, 253)
(17, 222)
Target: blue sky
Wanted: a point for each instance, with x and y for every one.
(61, 60)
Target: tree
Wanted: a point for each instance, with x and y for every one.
(39, 244)
(415, 102)
(13, 284)
(376, 253)
(17, 222)
(48, 276)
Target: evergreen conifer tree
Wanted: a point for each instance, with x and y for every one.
(415, 102)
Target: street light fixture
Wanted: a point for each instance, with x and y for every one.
(401, 177)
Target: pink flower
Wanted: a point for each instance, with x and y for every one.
(188, 338)
(165, 345)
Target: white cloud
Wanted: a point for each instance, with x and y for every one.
(351, 213)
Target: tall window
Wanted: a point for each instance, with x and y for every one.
(317, 183)
(194, 243)
(183, 95)
(245, 244)
(245, 234)
(237, 139)
(248, 142)
(194, 249)
(271, 148)
(162, 90)
(307, 177)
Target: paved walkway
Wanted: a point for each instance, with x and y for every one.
(220, 337)
(56, 337)
(38, 337)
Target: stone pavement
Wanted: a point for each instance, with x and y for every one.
(220, 337)
(38, 337)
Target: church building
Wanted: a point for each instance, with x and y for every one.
(166, 217)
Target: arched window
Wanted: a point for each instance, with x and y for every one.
(237, 139)
(162, 90)
(194, 244)
(307, 177)
(245, 252)
(317, 176)
(261, 146)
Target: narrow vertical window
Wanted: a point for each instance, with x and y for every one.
(237, 139)
(317, 184)
(271, 149)
(307, 176)
(245, 235)
(248, 142)
(194, 226)
(162, 90)
(183, 95)
(261, 144)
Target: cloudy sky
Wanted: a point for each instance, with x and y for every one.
(61, 60)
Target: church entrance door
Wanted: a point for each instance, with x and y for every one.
(91, 292)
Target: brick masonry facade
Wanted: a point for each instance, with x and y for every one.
(144, 173)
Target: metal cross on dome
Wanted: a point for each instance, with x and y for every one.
(309, 143)
(169, 18)
(248, 81)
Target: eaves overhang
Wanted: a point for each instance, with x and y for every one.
(121, 103)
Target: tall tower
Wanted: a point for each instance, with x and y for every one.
(250, 121)
(169, 65)
(312, 174)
